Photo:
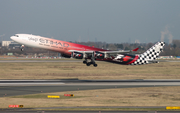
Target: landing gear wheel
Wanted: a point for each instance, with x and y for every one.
(85, 62)
(88, 64)
(95, 65)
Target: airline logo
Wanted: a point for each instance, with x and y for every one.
(48, 42)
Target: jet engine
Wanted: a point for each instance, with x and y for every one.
(99, 55)
(77, 55)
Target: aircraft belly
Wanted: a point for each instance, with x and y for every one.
(126, 60)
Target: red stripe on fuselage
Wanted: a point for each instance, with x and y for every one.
(136, 57)
(64, 47)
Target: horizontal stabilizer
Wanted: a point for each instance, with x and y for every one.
(135, 49)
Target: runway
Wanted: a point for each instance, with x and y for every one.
(22, 87)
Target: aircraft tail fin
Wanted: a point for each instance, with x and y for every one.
(153, 52)
(150, 55)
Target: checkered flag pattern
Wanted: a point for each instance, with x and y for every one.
(150, 54)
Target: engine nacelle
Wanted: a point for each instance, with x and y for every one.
(99, 55)
(77, 55)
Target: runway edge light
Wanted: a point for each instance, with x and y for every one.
(69, 95)
(173, 107)
(53, 96)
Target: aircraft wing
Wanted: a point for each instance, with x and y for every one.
(119, 52)
(81, 51)
(106, 52)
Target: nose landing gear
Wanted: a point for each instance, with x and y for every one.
(22, 47)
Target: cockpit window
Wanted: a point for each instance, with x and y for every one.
(16, 35)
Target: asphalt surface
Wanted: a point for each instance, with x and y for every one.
(22, 87)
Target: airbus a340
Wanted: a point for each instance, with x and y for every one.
(78, 51)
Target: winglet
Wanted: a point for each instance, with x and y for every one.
(135, 49)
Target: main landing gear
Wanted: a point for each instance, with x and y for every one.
(89, 63)
(22, 47)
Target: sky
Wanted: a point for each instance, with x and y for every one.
(111, 21)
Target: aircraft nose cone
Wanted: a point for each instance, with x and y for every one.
(12, 38)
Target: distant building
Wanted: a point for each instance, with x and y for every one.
(14, 45)
(6, 43)
(137, 41)
(10, 44)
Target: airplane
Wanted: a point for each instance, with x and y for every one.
(78, 51)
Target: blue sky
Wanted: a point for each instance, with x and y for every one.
(112, 21)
